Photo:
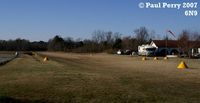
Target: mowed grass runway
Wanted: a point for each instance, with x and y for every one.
(98, 78)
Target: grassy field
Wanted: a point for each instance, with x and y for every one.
(98, 78)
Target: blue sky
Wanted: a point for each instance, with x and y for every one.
(43, 19)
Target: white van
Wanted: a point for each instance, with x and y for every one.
(146, 50)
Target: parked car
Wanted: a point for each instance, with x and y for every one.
(196, 55)
(124, 52)
(183, 55)
(134, 53)
(128, 52)
(119, 52)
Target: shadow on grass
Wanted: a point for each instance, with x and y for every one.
(192, 68)
(6, 99)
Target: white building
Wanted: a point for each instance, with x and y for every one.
(172, 47)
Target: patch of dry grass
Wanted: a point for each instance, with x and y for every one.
(99, 78)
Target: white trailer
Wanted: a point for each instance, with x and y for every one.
(146, 50)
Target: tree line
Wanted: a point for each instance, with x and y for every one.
(22, 45)
(101, 41)
(188, 40)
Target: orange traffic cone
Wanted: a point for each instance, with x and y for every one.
(182, 65)
(155, 58)
(46, 59)
(165, 58)
(144, 58)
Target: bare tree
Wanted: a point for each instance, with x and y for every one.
(183, 40)
(109, 37)
(117, 35)
(141, 35)
(98, 36)
(129, 43)
(188, 40)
